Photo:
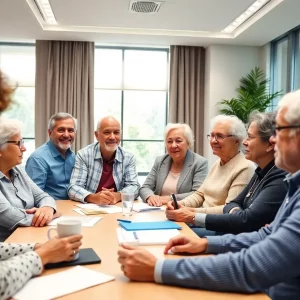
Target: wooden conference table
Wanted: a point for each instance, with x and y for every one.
(103, 239)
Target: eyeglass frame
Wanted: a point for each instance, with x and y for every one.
(19, 143)
(278, 128)
(218, 137)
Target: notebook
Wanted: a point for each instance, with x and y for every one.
(141, 207)
(86, 257)
(134, 226)
(146, 237)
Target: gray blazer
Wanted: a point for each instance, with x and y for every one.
(191, 177)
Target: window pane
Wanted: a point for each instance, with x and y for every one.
(30, 147)
(107, 102)
(144, 115)
(145, 70)
(281, 66)
(108, 68)
(23, 110)
(18, 63)
(145, 153)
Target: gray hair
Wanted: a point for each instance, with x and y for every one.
(237, 127)
(264, 122)
(106, 117)
(291, 101)
(187, 132)
(61, 116)
(8, 128)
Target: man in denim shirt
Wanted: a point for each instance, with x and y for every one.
(50, 166)
(103, 169)
(267, 260)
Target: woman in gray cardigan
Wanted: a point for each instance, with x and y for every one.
(180, 172)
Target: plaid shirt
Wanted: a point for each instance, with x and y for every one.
(88, 171)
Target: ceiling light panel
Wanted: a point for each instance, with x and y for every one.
(47, 11)
(250, 11)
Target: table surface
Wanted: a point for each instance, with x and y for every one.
(103, 239)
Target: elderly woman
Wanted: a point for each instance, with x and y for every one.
(180, 172)
(15, 257)
(22, 202)
(227, 177)
(259, 202)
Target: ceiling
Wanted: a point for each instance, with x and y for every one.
(178, 22)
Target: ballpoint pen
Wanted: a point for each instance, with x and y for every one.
(125, 221)
(174, 201)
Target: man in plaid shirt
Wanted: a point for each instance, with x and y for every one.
(103, 169)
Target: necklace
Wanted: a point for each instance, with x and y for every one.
(175, 175)
(252, 189)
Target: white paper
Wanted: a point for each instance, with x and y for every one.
(140, 207)
(146, 237)
(79, 211)
(109, 209)
(60, 284)
(85, 221)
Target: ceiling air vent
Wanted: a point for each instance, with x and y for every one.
(145, 7)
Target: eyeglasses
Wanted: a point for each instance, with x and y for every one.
(218, 137)
(278, 128)
(19, 143)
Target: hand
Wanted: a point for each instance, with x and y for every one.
(104, 197)
(170, 205)
(182, 214)
(183, 243)
(117, 195)
(136, 263)
(59, 249)
(42, 216)
(154, 200)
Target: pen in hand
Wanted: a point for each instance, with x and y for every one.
(174, 201)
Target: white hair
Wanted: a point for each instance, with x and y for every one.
(237, 128)
(106, 117)
(291, 101)
(61, 116)
(8, 128)
(187, 132)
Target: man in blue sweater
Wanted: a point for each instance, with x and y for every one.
(264, 261)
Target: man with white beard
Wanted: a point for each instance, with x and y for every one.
(104, 169)
(50, 166)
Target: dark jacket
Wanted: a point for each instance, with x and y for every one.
(255, 210)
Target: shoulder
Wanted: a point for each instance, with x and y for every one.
(40, 152)
(239, 162)
(197, 158)
(88, 149)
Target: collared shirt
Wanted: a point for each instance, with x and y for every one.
(50, 170)
(88, 170)
(15, 197)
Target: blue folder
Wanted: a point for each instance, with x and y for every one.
(134, 226)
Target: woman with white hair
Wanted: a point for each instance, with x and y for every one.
(178, 172)
(227, 177)
(22, 202)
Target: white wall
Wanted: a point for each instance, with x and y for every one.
(224, 66)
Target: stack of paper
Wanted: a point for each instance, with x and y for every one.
(85, 221)
(94, 209)
(60, 284)
(146, 237)
(140, 207)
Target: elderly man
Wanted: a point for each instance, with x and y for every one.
(103, 169)
(50, 166)
(267, 260)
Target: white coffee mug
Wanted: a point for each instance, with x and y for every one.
(66, 228)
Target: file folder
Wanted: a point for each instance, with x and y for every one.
(134, 226)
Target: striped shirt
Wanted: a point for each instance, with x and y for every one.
(88, 171)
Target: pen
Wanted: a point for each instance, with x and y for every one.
(135, 235)
(125, 221)
(174, 201)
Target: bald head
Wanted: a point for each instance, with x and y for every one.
(107, 120)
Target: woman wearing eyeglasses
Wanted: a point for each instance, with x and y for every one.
(227, 177)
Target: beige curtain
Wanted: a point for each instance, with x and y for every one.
(187, 89)
(65, 83)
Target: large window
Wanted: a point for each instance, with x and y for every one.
(17, 61)
(132, 85)
(285, 64)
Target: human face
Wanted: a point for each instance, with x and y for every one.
(109, 135)
(287, 147)
(224, 148)
(63, 134)
(256, 149)
(177, 144)
(12, 154)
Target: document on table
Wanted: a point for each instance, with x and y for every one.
(105, 209)
(141, 207)
(85, 221)
(146, 237)
(60, 284)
